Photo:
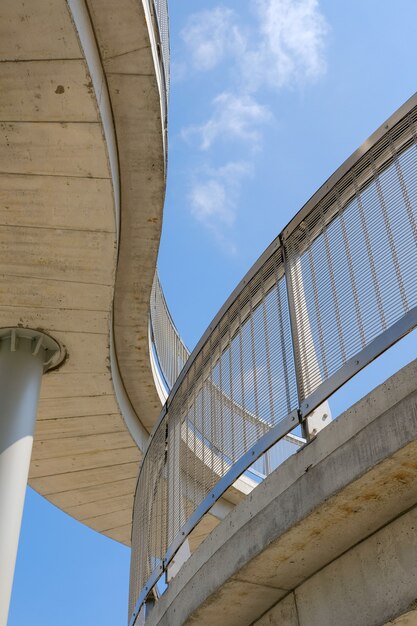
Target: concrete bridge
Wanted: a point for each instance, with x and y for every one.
(328, 537)
(82, 183)
(218, 536)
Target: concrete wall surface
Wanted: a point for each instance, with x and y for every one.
(408, 619)
(372, 582)
(328, 539)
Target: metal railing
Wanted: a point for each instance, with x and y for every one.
(161, 13)
(170, 354)
(170, 351)
(158, 12)
(330, 294)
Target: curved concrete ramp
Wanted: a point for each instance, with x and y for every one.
(60, 208)
(128, 50)
(328, 538)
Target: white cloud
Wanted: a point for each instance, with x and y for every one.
(285, 46)
(290, 46)
(209, 202)
(233, 117)
(214, 197)
(210, 35)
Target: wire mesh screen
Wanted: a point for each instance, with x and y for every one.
(352, 261)
(343, 278)
(161, 11)
(162, 24)
(240, 386)
(171, 351)
(172, 354)
(150, 515)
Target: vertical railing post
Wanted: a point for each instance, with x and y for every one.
(321, 416)
(175, 504)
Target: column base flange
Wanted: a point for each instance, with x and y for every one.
(54, 352)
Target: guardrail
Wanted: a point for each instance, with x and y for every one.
(333, 291)
(169, 349)
(161, 12)
(169, 354)
(158, 15)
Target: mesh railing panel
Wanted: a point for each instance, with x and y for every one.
(161, 11)
(234, 393)
(170, 350)
(337, 287)
(161, 26)
(241, 385)
(150, 515)
(352, 261)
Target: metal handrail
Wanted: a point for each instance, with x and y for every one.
(161, 28)
(162, 18)
(333, 291)
(170, 350)
(170, 353)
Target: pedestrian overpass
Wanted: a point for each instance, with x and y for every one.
(252, 505)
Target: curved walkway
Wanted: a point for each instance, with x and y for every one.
(82, 171)
(328, 538)
(330, 294)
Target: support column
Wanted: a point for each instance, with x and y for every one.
(24, 356)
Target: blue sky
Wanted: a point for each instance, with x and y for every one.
(268, 98)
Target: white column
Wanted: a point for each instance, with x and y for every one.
(24, 356)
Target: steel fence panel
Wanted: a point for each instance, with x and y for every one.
(353, 260)
(335, 290)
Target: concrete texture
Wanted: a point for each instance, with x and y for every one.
(373, 582)
(283, 613)
(336, 518)
(125, 48)
(59, 217)
(408, 619)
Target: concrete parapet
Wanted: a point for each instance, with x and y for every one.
(328, 538)
(372, 582)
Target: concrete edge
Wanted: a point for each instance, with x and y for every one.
(186, 589)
